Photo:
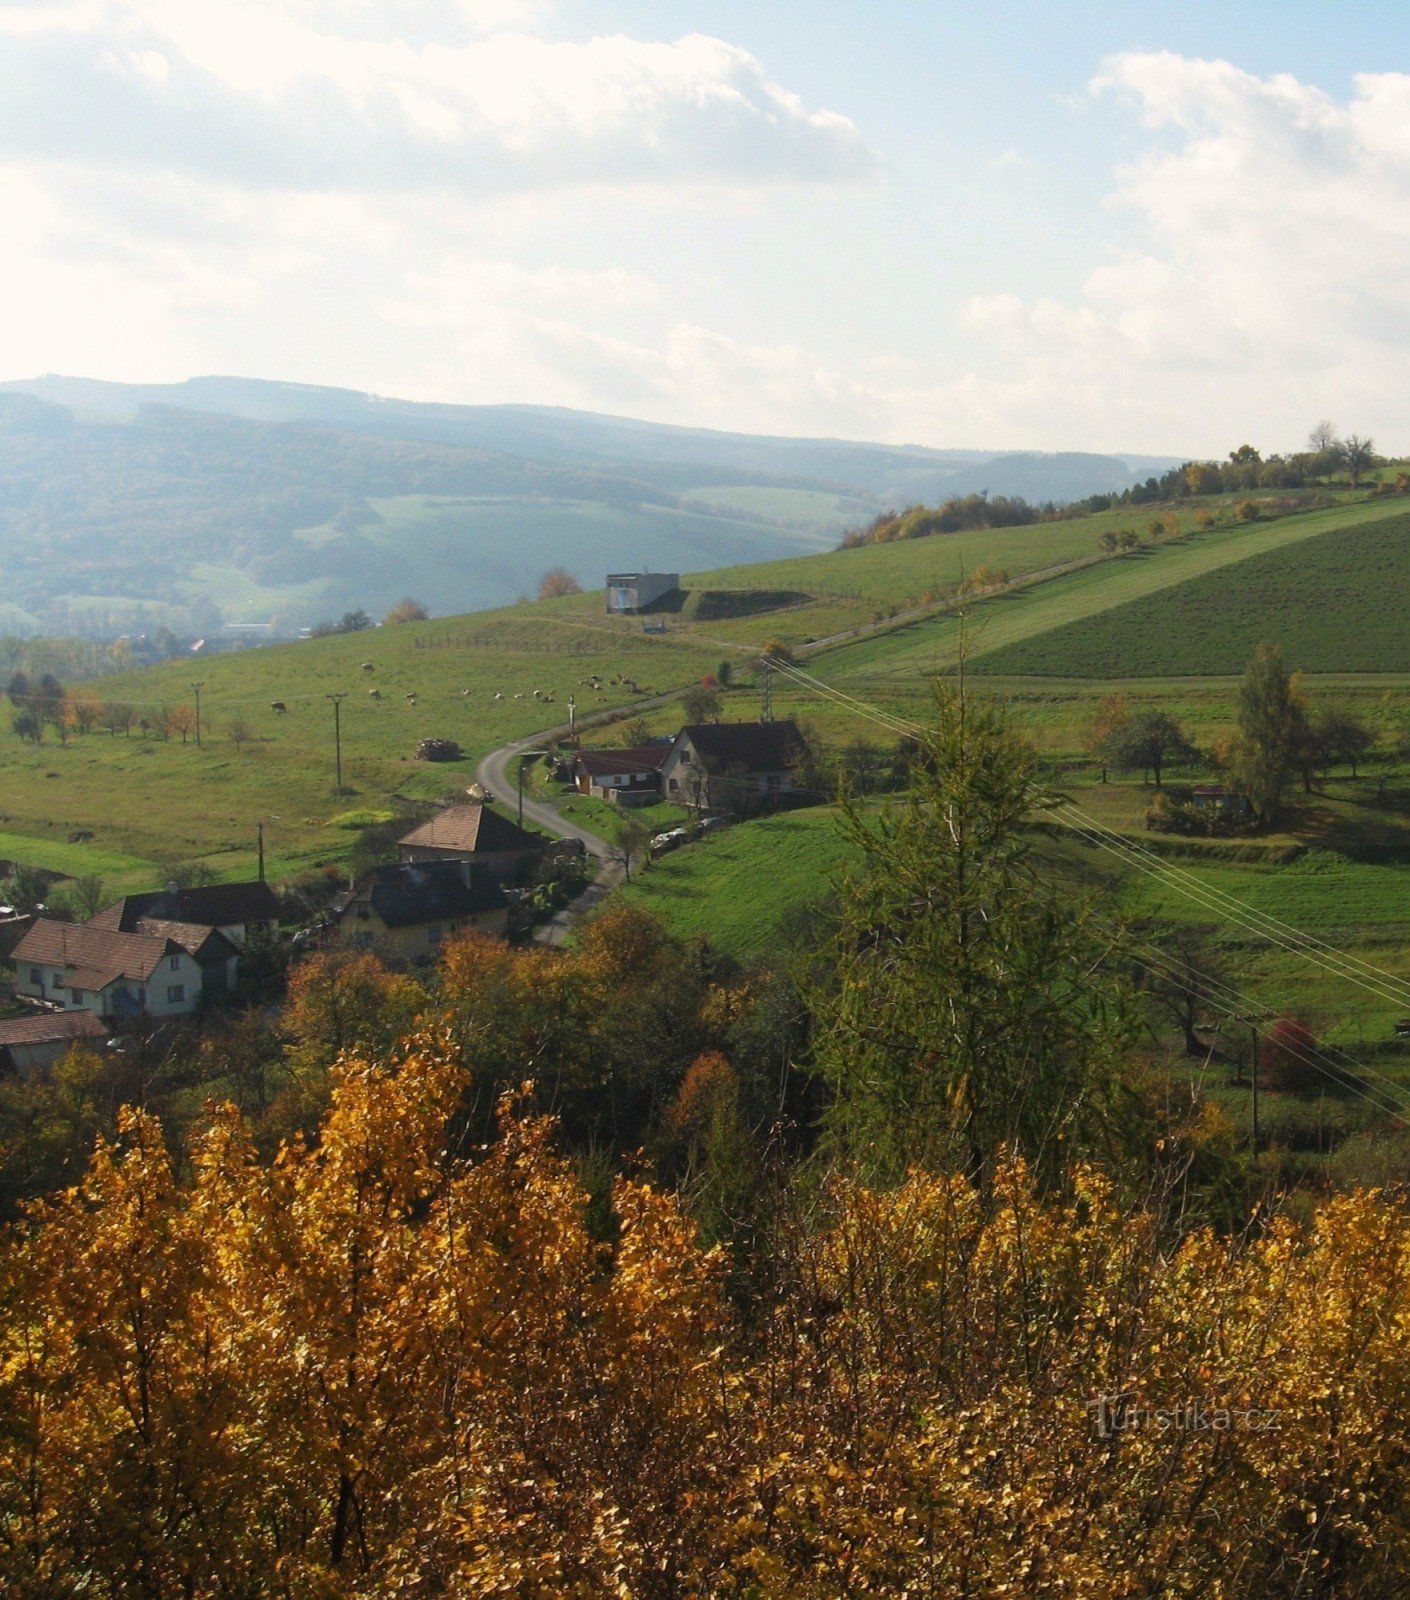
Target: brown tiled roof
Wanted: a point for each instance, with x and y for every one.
(94, 956)
(208, 944)
(50, 1027)
(636, 759)
(745, 746)
(213, 905)
(470, 830)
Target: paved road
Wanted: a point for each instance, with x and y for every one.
(499, 773)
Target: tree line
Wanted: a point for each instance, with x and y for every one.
(1326, 457)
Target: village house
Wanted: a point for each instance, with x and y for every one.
(405, 910)
(119, 975)
(628, 777)
(237, 910)
(27, 1043)
(733, 766)
(499, 850)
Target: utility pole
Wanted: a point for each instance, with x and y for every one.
(1253, 1019)
(337, 700)
(572, 721)
(1253, 1034)
(525, 755)
(198, 686)
(260, 828)
(766, 713)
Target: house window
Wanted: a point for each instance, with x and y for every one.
(75, 997)
(433, 933)
(36, 975)
(674, 786)
(176, 993)
(176, 963)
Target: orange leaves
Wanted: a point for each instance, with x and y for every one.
(372, 1369)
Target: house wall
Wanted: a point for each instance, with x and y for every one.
(720, 793)
(153, 997)
(417, 942)
(28, 1058)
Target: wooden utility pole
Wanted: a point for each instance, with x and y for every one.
(337, 700)
(198, 686)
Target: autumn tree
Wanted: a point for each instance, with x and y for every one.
(406, 610)
(1112, 715)
(1357, 454)
(628, 844)
(1344, 738)
(701, 704)
(1146, 742)
(1271, 725)
(181, 720)
(1184, 977)
(557, 582)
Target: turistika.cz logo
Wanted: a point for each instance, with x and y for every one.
(1116, 1414)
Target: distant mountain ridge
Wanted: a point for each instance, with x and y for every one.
(222, 499)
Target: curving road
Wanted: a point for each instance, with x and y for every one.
(499, 773)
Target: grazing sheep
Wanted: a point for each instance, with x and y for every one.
(499, 695)
(367, 666)
(411, 698)
(375, 693)
(277, 705)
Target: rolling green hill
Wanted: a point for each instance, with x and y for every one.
(127, 508)
(1337, 603)
(149, 799)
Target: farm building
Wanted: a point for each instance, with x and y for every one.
(236, 909)
(631, 592)
(30, 1042)
(732, 766)
(1215, 800)
(628, 777)
(497, 848)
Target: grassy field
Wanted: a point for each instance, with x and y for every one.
(1337, 603)
(149, 800)
(931, 644)
(712, 888)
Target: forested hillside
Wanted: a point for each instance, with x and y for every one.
(127, 508)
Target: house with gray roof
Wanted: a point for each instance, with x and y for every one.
(733, 766)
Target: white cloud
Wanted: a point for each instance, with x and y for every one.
(1276, 280)
(269, 95)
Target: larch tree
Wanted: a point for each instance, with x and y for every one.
(975, 1003)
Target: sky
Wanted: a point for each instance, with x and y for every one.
(1169, 228)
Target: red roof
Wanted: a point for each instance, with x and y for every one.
(635, 760)
(93, 957)
(470, 829)
(52, 1027)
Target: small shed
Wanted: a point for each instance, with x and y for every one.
(27, 1043)
(631, 592)
(1215, 800)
